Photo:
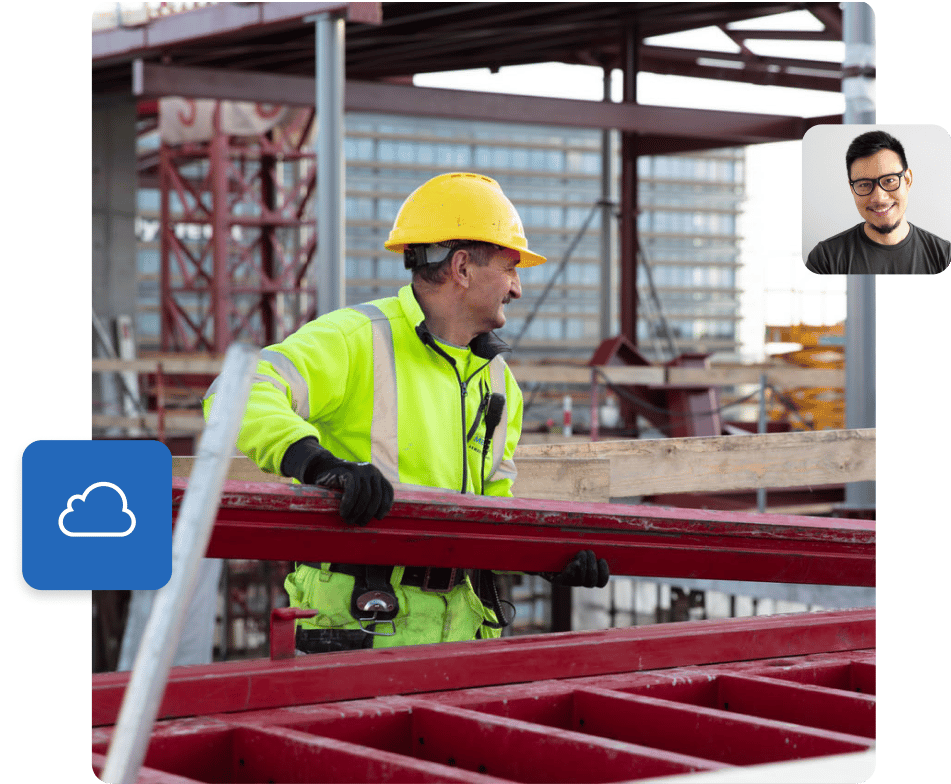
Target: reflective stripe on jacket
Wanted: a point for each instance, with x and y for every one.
(362, 380)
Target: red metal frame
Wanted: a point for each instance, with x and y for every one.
(284, 522)
(223, 286)
(566, 725)
(607, 705)
(258, 684)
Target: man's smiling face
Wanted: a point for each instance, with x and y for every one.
(883, 211)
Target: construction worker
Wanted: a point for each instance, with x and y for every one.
(399, 390)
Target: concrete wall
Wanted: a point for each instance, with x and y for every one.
(113, 225)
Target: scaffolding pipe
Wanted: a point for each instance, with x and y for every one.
(858, 32)
(196, 517)
(606, 320)
(331, 196)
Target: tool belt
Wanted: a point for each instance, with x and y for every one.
(433, 579)
(373, 603)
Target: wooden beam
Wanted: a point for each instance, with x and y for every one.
(779, 376)
(565, 479)
(584, 479)
(170, 364)
(180, 423)
(242, 469)
(684, 465)
(648, 375)
(601, 470)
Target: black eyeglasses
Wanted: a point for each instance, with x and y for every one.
(887, 182)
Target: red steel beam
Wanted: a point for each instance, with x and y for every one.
(296, 523)
(258, 684)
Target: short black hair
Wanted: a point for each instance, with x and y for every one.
(869, 143)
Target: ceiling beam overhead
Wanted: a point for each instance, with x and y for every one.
(692, 128)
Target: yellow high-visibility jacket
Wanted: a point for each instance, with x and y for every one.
(373, 386)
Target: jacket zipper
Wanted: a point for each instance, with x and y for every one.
(463, 389)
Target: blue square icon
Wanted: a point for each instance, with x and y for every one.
(97, 515)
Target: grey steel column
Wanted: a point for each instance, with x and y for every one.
(607, 224)
(331, 193)
(858, 33)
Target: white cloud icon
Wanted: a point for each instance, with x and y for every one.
(88, 490)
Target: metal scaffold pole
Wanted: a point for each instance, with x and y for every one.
(142, 698)
(331, 195)
(858, 32)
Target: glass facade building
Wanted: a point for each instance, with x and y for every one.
(687, 219)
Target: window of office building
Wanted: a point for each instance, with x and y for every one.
(687, 220)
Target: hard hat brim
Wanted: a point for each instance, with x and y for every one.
(526, 258)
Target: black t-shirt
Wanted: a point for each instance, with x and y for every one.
(852, 252)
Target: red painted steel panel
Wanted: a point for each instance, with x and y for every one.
(281, 522)
(286, 755)
(262, 683)
(704, 732)
(520, 751)
(831, 709)
(520, 732)
(145, 775)
(863, 677)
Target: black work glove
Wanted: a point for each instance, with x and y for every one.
(585, 570)
(366, 492)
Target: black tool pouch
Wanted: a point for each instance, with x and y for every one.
(331, 640)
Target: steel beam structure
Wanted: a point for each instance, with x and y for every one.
(259, 684)
(695, 128)
(292, 522)
(236, 238)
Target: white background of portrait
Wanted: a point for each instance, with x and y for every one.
(46, 395)
(828, 206)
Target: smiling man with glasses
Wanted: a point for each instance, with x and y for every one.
(885, 242)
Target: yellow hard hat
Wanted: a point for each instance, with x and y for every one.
(460, 206)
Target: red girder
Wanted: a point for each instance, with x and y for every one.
(227, 687)
(607, 705)
(291, 522)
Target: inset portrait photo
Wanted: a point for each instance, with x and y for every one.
(874, 199)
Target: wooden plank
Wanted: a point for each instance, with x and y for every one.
(170, 364)
(564, 479)
(601, 470)
(578, 374)
(783, 377)
(180, 423)
(652, 375)
(242, 469)
(569, 479)
(681, 465)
